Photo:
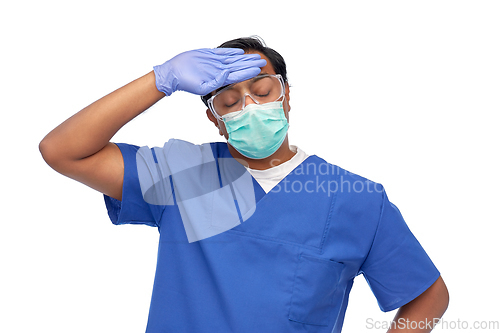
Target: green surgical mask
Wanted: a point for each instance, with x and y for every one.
(258, 131)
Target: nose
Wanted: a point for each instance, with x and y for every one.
(248, 100)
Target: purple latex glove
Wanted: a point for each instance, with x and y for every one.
(202, 71)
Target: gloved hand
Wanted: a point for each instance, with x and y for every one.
(202, 71)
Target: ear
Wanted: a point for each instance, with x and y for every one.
(213, 120)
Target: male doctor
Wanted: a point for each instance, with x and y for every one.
(240, 251)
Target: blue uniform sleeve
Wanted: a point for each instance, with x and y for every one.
(396, 268)
(132, 209)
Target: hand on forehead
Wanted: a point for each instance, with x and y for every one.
(265, 69)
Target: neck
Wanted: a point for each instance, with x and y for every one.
(282, 155)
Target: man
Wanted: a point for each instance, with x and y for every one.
(255, 235)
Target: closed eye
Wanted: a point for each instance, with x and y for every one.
(229, 106)
(263, 95)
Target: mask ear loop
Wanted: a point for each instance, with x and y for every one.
(283, 89)
(283, 105)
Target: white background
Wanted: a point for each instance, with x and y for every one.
(403, 93)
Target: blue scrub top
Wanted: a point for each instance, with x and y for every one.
(290, 266)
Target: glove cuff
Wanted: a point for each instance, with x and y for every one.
(165, 80)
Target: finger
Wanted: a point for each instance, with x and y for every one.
(242, 57)
(242, 75)
(227, 51)
(246, 64)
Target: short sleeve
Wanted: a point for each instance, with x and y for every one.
(132, 209)
(396, 268)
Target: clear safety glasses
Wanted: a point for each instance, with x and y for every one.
(265, 88)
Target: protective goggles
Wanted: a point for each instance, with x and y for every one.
(265, 88)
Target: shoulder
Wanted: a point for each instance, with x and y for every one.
(177, 150)
(178, 156)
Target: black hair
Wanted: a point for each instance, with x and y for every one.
(255, 43)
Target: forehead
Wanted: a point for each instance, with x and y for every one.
(268, 68)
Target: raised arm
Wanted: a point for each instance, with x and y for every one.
(79, 148)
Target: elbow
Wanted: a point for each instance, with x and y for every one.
(50, 154)
(44, 148)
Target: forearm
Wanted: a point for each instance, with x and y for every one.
(421, 314)
(89, 130)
